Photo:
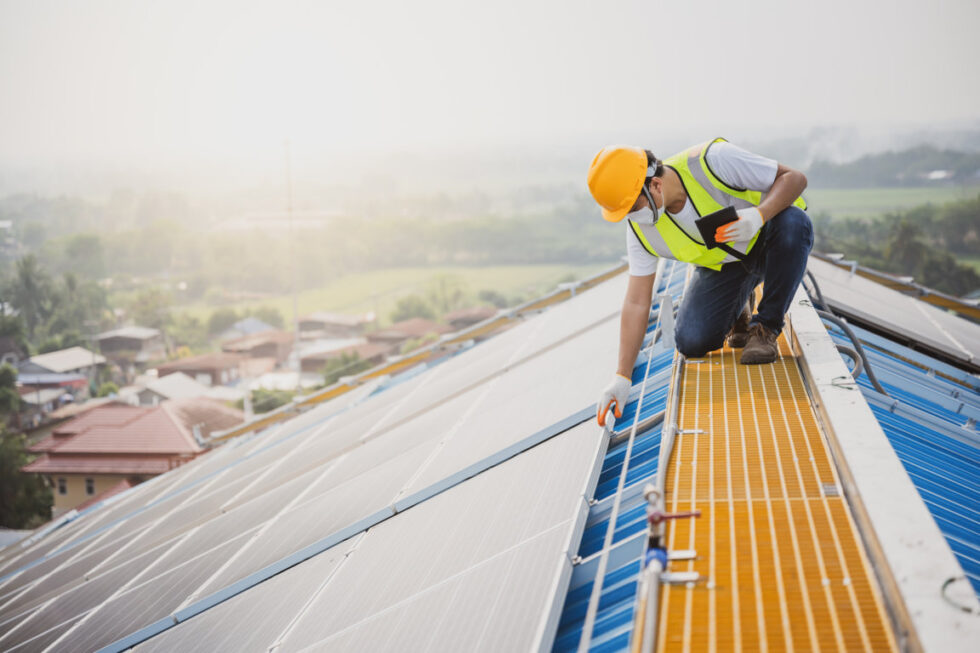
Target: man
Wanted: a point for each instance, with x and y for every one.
(769, 242)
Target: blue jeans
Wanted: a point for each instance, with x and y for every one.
(714, 299)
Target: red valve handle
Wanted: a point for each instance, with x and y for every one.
(658, 517)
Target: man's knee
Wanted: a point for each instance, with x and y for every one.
(695, 345)
(790, 227)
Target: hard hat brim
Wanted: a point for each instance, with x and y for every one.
(615, 216)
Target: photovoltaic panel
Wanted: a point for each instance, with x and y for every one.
(324, 475)
(898, 314)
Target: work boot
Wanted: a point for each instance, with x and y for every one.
(739, 335)
(761, 347)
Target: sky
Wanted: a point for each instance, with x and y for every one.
(221, 85)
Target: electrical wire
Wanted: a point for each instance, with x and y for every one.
(853, 355)
(949, 581)
(830, 317)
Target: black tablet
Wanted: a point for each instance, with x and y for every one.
(709, 223)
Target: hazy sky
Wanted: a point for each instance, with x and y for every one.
(174, 82)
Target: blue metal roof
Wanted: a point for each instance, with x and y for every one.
(614, 617)
(930, 420)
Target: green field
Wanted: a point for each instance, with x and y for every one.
(972, 262)
(868, 202)
(379, 290)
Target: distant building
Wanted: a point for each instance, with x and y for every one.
(10, 351)
(116, 444)
(373, 352)
(173, 386)
(334, 325)
(270, 344)
(207, 369)
(43, 394)
(248, 326)
(131, 348)
(406, 330)
(74, 360)
(467, 317)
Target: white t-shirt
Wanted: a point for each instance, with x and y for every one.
(737, 168)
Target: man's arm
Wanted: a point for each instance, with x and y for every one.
(788, 185)
(633, 321)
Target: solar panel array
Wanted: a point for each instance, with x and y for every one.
(902, 317)
(350, 525)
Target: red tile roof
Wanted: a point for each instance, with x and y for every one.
(216, 361)
(365, 351)
(471, 315)
(246, 343)
(115, 429)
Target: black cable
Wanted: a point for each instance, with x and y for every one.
(857, 346)
(965, 608)
(816, 288)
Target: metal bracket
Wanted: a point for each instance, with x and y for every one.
(691, 431)
(680, 577)
(682, 554)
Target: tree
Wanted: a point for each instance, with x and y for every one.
(188, 331)
(151, 308)
(9, 397)
(107, 389)
(84, 255)
(412, 306)
(25, 501)
(221, 319)
(268, 314)
(30, 293)
(446, 293)
(347, 364)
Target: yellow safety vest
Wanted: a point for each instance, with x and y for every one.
(672, 237)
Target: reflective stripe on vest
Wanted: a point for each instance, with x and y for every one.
(674, 238)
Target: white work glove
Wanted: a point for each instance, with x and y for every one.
(614, 394)
(749, 221)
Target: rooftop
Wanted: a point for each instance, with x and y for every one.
(474, 504)
(134, 332)
(66, 360)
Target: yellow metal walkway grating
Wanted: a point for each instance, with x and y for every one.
(785, 567)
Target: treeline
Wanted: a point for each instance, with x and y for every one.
(889, 169)
(922, 242)
(209, 264)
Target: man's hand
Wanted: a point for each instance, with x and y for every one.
(615, 394)
(749, 221)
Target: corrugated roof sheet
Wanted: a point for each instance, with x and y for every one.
(65, 360)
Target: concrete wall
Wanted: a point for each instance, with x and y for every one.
(75, 486)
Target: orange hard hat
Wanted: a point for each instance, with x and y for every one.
(616, 178)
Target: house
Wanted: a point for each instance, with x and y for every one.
(268, 344)
(113, 444)
(467, 317)
(43, 394)
(372, 352)
(208, 369)
(248, 326)
(132, 347)
(173, 386)
(412, 329)
(74, 360)
(36, 405)
(10, 351)
(334, 325)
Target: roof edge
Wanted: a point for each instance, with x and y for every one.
(896, 526)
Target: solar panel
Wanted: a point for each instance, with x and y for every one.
(898, 314)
